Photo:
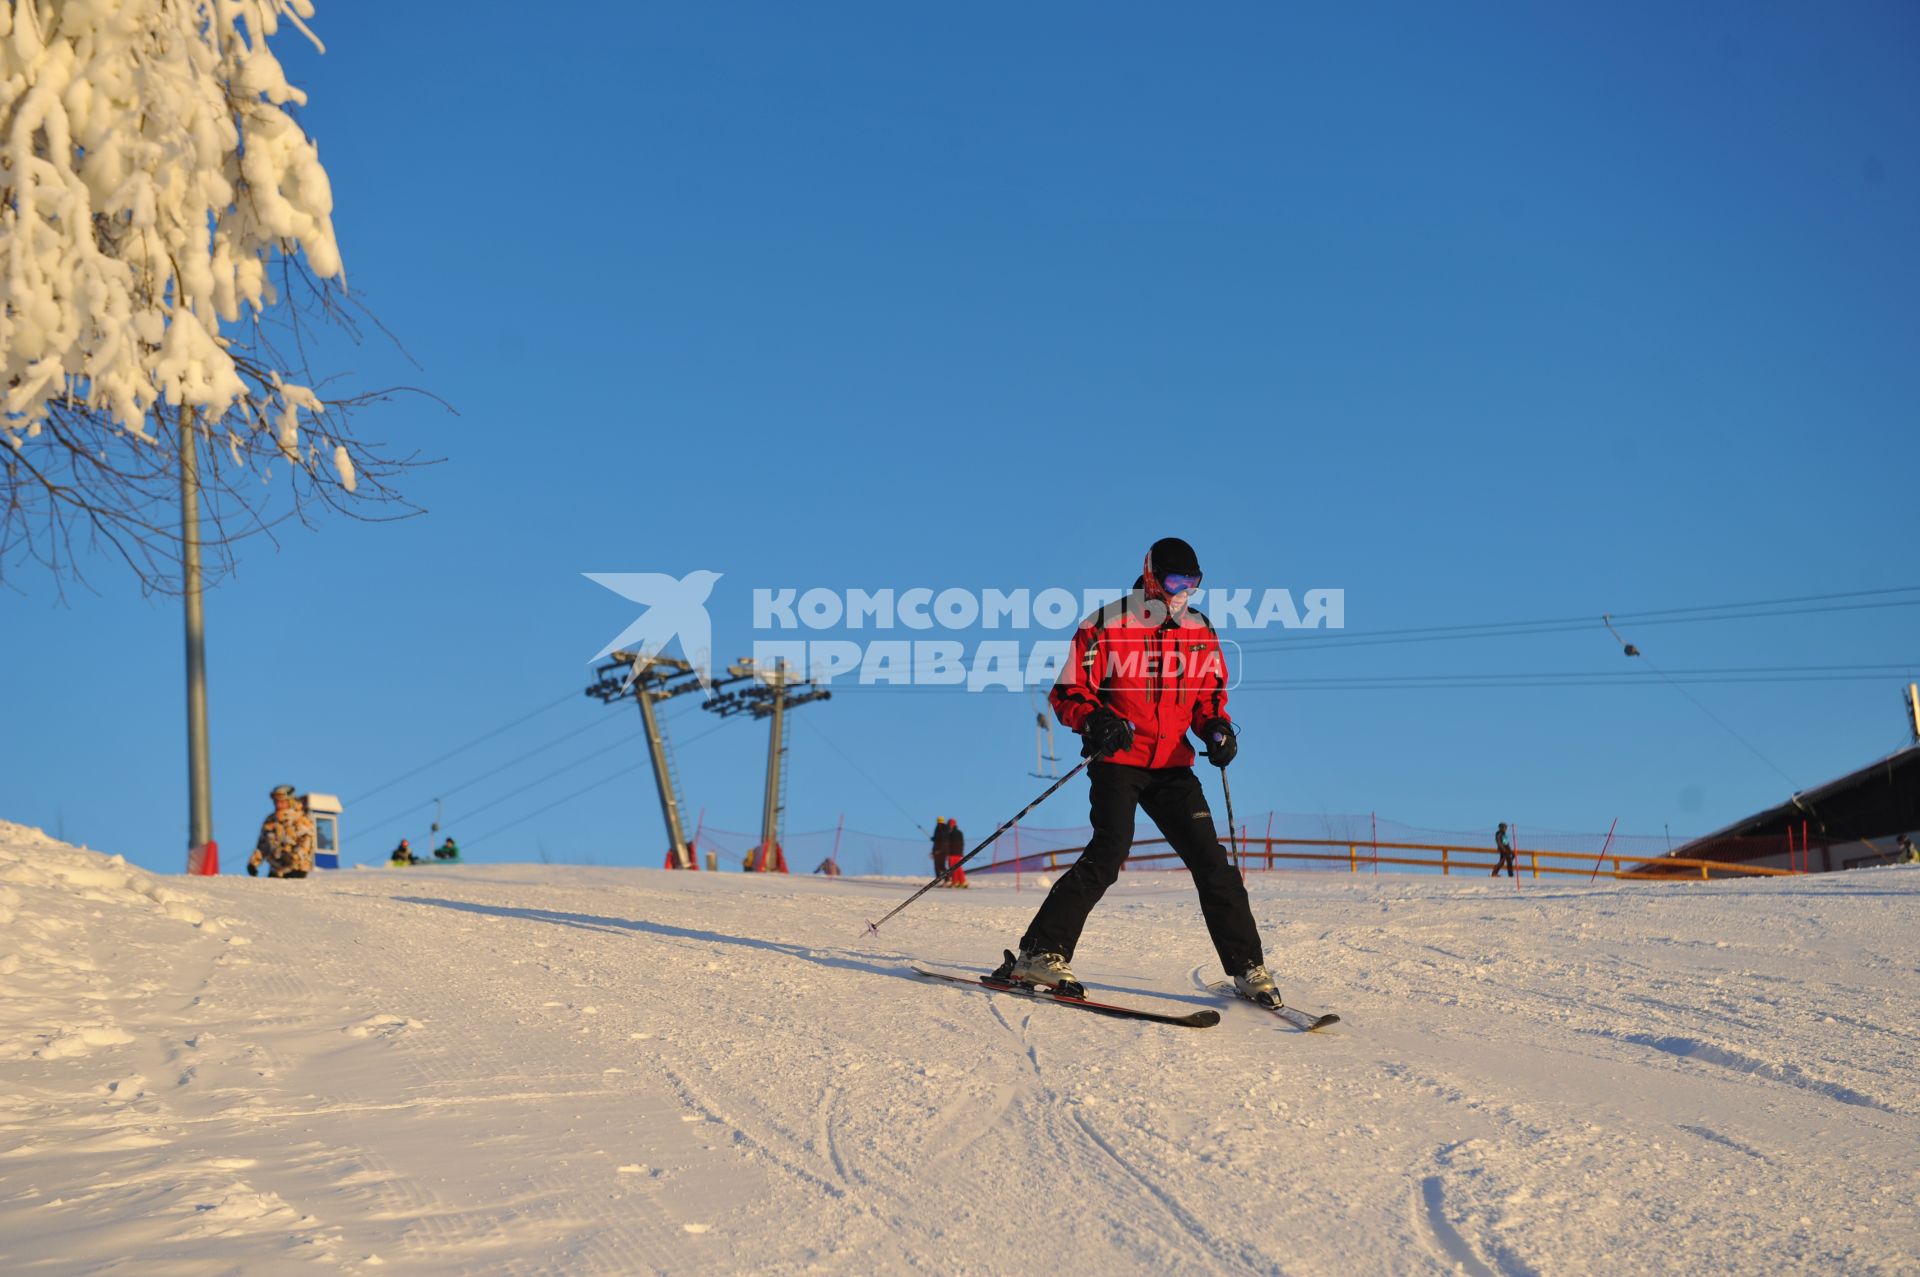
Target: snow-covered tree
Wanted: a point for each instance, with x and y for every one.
(166, 234)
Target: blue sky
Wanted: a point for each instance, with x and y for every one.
(1477, 313)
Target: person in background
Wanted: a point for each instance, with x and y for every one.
(403, 854)
(448, 851)
(286, 839)
(940, 849)
(1908, 853)
(830, 867)
(1503, 845)
(956, 852)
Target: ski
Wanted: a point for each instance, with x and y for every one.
(1305, 1021)
(1202, 1019)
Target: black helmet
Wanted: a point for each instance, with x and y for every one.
(1171, 554)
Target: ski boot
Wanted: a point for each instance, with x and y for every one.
(1039, 969)
(1255, 984)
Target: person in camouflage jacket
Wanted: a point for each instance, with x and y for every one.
(286, 839)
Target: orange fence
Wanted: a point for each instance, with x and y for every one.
(1259, 853)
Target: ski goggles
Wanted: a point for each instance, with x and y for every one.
(1180, 582)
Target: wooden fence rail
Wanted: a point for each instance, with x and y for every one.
(1259, 853)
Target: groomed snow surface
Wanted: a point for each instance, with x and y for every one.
(518, 1069)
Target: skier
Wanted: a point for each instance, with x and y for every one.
(1505, 848)
(1143, 672)
(956, 851)
(448, 851)
(1909, 854)
(940, 849)
(286, 839)
(403, 855)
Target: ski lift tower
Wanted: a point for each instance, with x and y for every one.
(771, 697)
(1044, 759)
(650, 680)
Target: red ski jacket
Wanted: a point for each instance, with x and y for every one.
(1165, 677)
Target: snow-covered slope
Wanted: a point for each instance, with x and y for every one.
(560, 1070)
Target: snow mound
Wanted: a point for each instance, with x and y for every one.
(380, 1026)
(29, 858)
(62, 910)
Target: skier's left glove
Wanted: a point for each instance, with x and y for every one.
(1105, 733)
(1222, 741)
(253, 870)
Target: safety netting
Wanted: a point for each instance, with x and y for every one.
(1040, 848)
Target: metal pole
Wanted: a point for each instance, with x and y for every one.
(199, 770)
(770, 806)
(1233, 848)
(873, 928)
(662, 779)
(1603, 851)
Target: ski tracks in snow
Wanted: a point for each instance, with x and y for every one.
(1605, 1091)
(1040, 1142)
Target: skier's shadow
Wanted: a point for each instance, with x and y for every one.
(872, 963)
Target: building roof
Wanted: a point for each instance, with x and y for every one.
(1879, 800)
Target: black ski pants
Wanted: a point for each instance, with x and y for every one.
(1173, 800)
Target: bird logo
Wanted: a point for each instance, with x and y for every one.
(675, 608)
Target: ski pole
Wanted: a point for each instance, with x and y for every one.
(873, 928)
(1227, 790)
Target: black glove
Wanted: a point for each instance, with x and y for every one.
(1104, 733)
(1222, 742)
(253, 870)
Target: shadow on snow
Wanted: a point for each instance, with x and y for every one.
(872, 963)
